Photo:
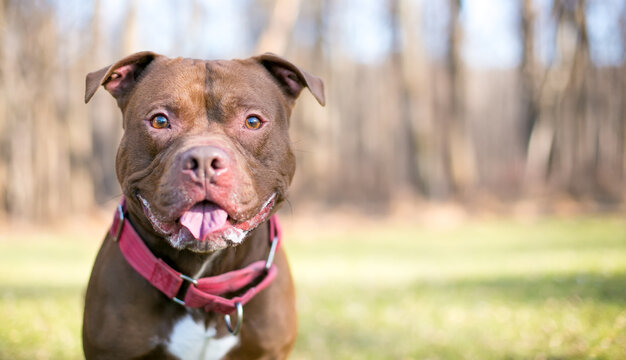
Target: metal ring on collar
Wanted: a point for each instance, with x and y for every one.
(120, 215)
(229, 326)
(270, 256)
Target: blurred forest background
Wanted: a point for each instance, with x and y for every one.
(456, 100)
(436, 109)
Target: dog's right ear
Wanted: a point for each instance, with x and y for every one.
(119, 78)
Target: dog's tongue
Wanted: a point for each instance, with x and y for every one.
(203, 218)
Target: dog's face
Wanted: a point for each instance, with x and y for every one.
(205, 154)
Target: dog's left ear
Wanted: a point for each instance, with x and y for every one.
(290, 78)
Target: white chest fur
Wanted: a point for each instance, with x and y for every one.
(192, 340)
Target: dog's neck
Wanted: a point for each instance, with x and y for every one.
(254, 247)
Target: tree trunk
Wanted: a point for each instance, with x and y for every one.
(404, 59)
(529, 107)
(456, 148)
(276, 36)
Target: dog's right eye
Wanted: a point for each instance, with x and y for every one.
(159, 121)
(253, 122)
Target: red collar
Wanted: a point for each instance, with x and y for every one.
(201, 293)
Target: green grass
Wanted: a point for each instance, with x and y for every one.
(491, 290)
(553, 289)
(42, 281)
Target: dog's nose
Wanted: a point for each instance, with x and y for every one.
(205, 161)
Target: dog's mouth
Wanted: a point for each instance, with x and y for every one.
(204, 219)
(206, 226)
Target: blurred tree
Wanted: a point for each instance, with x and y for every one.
(528, 71)
(280, 27)
(414, 121)
(405, 61)
(455, 147)
(4, 149)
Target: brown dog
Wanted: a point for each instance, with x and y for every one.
(205, 160)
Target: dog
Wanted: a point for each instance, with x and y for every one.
(191, 267)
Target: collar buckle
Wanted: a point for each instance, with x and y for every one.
(191, 281)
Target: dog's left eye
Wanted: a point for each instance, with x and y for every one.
(159, 121)
(253, 122)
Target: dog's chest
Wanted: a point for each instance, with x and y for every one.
(193, 340)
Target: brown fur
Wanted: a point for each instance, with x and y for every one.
(206, 102)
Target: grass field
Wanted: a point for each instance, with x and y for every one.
(551, 289)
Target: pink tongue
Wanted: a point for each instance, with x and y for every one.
(203, 218)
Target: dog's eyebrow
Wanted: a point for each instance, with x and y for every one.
(168, 104)
(247, 104)
(237, 103)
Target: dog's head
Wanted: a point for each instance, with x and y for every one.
(206, 155)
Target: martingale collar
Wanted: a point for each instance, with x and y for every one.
(202, 293)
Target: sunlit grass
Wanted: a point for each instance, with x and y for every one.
(42, 281)
(488, 290)
(555, 289)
